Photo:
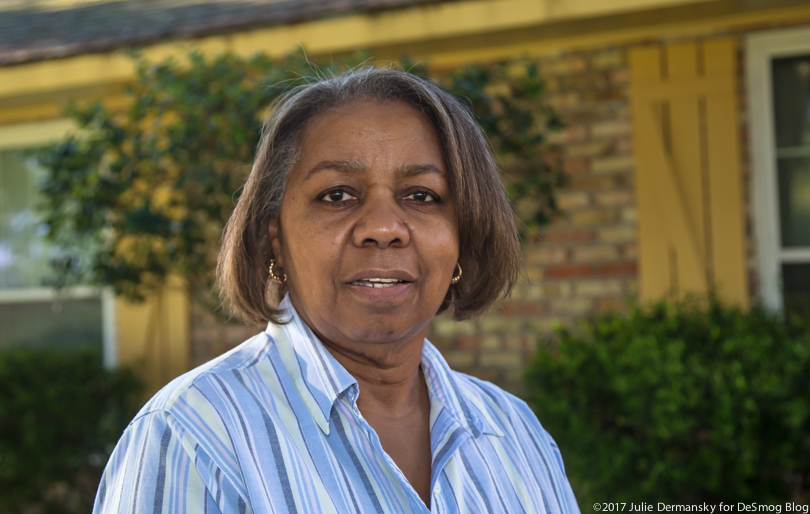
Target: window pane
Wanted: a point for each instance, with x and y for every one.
(23, 250)
(794, 201)
(24, 263)
(791, 100)
(69, 324)
(796, 286)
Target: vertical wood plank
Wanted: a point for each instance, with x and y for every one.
(653, 244)
(645, 65)
(154, 335)
(685, 133)
(725, 190)
(670, 206)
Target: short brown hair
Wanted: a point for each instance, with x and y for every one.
(489, 251)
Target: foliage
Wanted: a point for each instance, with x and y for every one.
(143, 192)
(60, 416)
(680, 403)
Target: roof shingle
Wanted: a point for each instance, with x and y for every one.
(32, 30)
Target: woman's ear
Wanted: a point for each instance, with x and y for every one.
(274, 233)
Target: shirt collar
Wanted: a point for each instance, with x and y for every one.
(455, 395)
(318, 377)
(321, 380)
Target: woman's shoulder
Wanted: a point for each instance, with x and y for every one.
(218, 369)
(179, 440)
(493, 399)
(516, 420)
(498, 407)
(511, 414)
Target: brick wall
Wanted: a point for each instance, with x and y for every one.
(585, 262)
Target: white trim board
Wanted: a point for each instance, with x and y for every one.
(24, 135)
(45, 294)
(761, 48)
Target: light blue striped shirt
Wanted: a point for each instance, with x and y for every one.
(272, 426)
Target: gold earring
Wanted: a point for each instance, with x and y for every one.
(457, 277)
(282, 278)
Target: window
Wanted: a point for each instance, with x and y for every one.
(779, 101)
(32, 314)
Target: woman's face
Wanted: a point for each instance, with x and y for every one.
(367, 233)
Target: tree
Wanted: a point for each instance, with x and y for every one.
(143, 192)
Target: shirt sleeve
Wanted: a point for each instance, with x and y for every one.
(151, 471)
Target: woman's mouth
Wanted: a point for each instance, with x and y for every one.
(377, 283)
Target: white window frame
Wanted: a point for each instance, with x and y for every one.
(761, 48)
(30, 135)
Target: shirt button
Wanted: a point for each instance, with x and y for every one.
(437, 490)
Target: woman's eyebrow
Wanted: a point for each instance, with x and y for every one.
(349, 166)
(409, 170)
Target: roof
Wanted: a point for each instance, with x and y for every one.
(32, 30)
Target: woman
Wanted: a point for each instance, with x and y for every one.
(374, 203)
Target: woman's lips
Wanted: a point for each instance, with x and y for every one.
(380, 276)
(381, 284)
(377, 283)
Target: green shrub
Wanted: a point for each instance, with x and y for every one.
(681, 403)
(60, 416)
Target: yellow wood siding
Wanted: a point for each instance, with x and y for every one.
(688, 179)
(153, 336)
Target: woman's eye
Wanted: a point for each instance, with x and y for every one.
(337, 196)
(421, 196)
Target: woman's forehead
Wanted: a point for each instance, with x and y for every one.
(364, 114)
(368, 132)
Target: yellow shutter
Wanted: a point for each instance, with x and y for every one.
(688, 182)
(154, 335)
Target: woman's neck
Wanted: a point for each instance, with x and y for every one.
(388, 375)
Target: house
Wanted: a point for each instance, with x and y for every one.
(687, 150)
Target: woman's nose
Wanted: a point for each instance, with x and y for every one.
(381, 223)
